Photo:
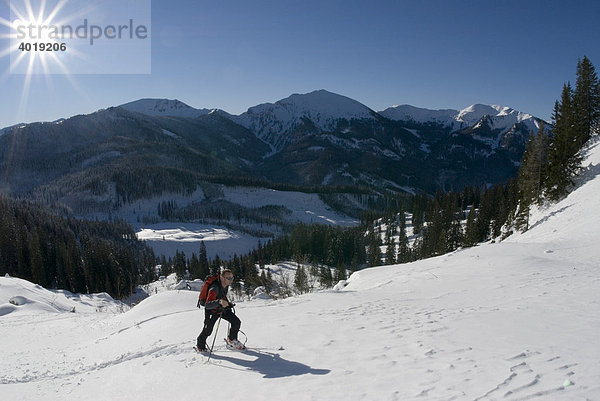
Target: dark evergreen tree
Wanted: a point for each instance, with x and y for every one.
(325, 277)
(454, 230)
(204, 266)
(531, 175)
(194, 267)
(180, 265)
(251, 277)
(484, 215)
(418, 210)
(471, 237)
(215, 265)
(374, 252)
(340, 273)
(266, 280)
(563, 161)
(586, 101)
(403, 246)
(301, 280)
(390, 242)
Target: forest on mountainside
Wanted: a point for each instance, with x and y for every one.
(66, 253)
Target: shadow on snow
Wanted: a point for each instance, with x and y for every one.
(270, 365)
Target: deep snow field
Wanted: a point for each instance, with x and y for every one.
(515, 320)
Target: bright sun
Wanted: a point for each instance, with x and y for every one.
(72, 37)
(33, 48)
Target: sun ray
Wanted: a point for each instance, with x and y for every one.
(14, 10)
(33, 25)
(25, 91)
(6, 23)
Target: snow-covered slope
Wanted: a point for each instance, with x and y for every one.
(502, 117)
(319, 110)
(164, 107)
(22, 297)
(515, 320)
(407, 112)
(574, 222)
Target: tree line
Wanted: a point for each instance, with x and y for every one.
(66, 253)
(316, 245)
(550, 162)
(449, 220)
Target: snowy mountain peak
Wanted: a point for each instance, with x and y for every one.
(319, 110)
(500, 117)
(164, 107)
(475, 112)
(322, 104)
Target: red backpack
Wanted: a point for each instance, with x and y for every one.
(205, 287)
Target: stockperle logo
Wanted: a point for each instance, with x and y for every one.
(80, 37)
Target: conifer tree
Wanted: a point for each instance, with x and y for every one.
(180, 265)
(204, 267)
(374, 253)
(471, 233)
(417, 213)
(301, 280)
(501, 209)
(390, 252)
(36, 262)
(326, 277)
(340, 273)
(484, 215)
(194, 267)
(586, 101)
(531, 175)
(563, 160)
(455, 231)
(403, 248)
(215, 265)
(251, 276)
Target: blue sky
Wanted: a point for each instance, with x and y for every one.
(236, 54)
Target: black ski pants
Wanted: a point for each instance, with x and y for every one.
(211, 318)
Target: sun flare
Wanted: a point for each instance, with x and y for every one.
(34, 44)
(35, 47)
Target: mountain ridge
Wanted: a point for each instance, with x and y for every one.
(290, 120)
(320, 139)
(324, 107)
(164, 107)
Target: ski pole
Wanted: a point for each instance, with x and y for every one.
(214, 338)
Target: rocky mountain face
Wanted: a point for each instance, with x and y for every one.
(151, 146)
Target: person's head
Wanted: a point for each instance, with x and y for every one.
(226, 277)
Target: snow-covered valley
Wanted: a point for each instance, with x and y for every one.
(167, 237)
